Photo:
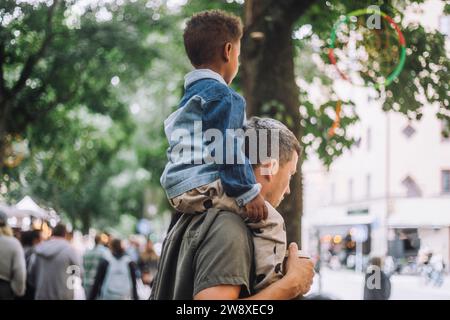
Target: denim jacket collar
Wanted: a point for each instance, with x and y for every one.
(198, 74)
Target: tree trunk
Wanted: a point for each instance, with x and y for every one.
(85, 221)
(269, 82)
(5, 108)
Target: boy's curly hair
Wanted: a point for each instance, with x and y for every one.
(207, 32)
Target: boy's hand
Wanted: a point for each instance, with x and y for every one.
(257, 209)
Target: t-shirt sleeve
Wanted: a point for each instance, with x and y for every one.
(225, 256)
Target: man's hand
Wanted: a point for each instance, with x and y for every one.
(299, 271)
(256, 209)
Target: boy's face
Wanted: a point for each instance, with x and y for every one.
(232, 52)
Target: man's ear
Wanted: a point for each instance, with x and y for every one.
(227, 51)
(269, 168)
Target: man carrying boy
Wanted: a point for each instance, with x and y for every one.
(201, 173)
(212, 255)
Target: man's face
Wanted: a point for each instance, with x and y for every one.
(278, 185)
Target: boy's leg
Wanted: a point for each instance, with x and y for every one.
(196, 200)
(224, 202)
(269, 238)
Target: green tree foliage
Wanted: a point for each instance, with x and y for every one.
(425, 73)
(67, 72)
(69, 77)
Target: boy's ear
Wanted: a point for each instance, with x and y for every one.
(227, 51)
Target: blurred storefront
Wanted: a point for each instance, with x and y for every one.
(420, 224)
(395, 180)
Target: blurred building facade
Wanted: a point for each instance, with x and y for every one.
(391, 191)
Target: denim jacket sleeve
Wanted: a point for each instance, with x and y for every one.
(237, 177)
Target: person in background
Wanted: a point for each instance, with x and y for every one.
(91, 260)
(133, 249)
(107, 239)
(116, 276)
(57, 263)
(12, 262)
(148, 263)
(377, 285)
(69, 236)
(30, 239)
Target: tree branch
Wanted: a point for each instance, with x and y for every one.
(294, 8)
(290, 10)
(34, 58)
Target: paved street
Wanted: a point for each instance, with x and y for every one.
(348, 285)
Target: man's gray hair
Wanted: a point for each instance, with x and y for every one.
(287, 142)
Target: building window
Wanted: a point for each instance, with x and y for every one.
(412, 188)
(350, 189)
(369, 139)
(409, 131)
(446, 181)
(368, 186)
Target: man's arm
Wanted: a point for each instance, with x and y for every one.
(222, 292)
(297, 281)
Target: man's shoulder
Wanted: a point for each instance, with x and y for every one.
(230, 219)
(215, 243)
(228, 227)
(220, 225)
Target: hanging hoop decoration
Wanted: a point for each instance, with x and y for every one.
(401, 40)
(15, 150)
(337, 120)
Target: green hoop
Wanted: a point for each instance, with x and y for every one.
(400, 36)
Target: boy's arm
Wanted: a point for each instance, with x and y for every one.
(227, 114)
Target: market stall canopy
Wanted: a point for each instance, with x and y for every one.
(27, 207)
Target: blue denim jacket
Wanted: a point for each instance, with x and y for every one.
(208, 102)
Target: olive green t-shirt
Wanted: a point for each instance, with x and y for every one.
(202, 251)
